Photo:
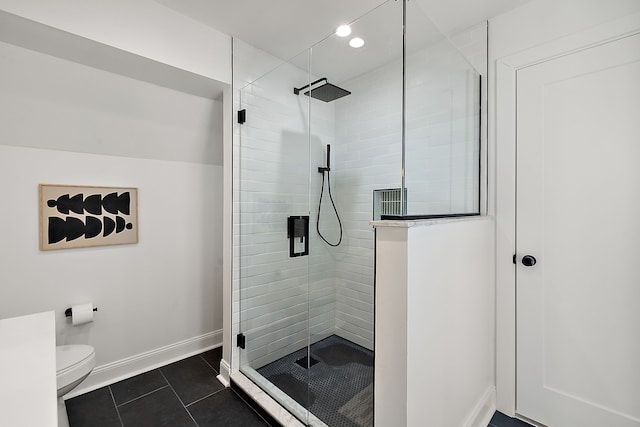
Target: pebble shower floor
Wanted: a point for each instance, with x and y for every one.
(340, 391)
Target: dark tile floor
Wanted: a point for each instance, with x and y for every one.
(501, 420)
(184, 393)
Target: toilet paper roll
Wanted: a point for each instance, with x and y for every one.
(81, 314)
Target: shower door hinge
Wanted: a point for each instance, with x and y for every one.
(242, 116)
(514, 258)
(240, 340)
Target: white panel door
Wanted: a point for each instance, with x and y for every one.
(578, 214)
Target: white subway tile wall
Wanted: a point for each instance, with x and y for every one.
(278, 299)
(441, 164)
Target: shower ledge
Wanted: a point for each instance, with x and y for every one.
(42, 38)
(426, 222)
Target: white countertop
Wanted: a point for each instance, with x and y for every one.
(28, 371)
(409, 223)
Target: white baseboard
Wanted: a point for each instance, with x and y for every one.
(484, 409)
(134, 365)
(225, 373)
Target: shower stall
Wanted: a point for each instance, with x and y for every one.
(324, 144)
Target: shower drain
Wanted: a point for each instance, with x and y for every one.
(305, 363)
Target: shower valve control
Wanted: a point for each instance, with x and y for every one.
(298, 234)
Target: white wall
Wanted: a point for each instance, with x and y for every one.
(65, 123)
(450, 323)
(36, 107)
(435, 308)
(391, 369)
(533, 32)
(141, 27)
(542, 21)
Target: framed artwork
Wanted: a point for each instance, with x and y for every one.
(76, 217)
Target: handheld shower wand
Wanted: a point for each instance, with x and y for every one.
(327, 168)
(322, 170)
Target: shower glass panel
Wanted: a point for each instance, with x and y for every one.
(332, 139)
(442, 122)
(364, 131)
(273, 206)
(322, 132)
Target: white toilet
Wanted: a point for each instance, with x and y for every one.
(73, 364)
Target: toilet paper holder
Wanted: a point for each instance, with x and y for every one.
(68, 312)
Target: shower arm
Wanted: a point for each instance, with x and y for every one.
(298, 89)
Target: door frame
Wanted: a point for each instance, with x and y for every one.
(505, 188)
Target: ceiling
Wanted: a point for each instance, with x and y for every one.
(285, 28)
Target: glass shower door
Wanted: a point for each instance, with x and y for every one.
(272, 236)
(401, 115)
(302, 163)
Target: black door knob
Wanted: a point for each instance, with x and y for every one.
(529, 260)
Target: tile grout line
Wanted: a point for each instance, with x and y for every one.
(208, 364)
(140, 397)
(179, 400)
(113, 399)
(216, 392)
(202, 398)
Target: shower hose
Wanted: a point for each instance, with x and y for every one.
(334, 209)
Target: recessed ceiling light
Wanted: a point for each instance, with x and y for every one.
(356, 42)
(343, 31)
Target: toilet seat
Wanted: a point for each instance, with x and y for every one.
(73, 363)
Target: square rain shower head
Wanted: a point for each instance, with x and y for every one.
(327, 92)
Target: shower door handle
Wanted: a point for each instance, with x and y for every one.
(529, 260)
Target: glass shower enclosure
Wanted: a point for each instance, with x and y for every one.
(329, 141)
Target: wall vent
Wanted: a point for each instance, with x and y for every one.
(387, 202)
